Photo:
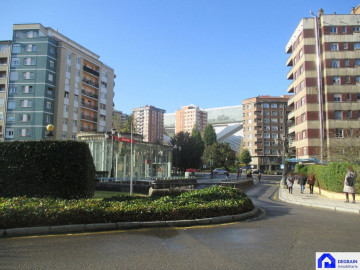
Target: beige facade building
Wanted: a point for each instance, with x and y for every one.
(149, 122)
(326, 92)
(189, 117)
(265, 122)
(5, 52)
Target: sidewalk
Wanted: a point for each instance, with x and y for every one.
(318, 201)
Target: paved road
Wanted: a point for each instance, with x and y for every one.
(282, 236)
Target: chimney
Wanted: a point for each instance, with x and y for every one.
(353, 10)
(321, 12)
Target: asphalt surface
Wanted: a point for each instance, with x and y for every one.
(280, 236)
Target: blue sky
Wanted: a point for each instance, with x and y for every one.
(172, 53)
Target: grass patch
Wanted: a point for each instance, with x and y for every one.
(208, 202)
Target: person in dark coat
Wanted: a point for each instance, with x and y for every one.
(311, 182)
(302, 181)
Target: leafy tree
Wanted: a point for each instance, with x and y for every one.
(209, 135)
(181, 144)
(221, 154)
(245, 156)
(127, 126)
(117, 123)
(197, 148)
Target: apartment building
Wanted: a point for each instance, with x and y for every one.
(5, 49)
(149, 122)
(265, 130)
(189, 117)
(54, 80)
(326, 92)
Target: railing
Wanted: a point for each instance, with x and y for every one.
(89, 106)
(88, 94)
(91, 71)
(90, 118)
(90, 82)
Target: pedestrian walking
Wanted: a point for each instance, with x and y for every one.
(302, 181)
(290, 182)
(259, 176)
(212, 174)
(311, 182)
(349, 184)
(238, 174)
(227, 175)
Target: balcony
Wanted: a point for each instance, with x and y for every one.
(89, 94)
(91, 71)
(83, 129)
(91, 83)
(88, 106)
(88, 118)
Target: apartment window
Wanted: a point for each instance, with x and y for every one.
(249, 136)
(24, 132)
(337, 97)
(68, 69)
(267, 135)
(25, 118)
(346, 63)
(66, 108)
(10, 117)
(266, 120)
(249, 114)
(48, 119)
(303, 101)
(26, 89)
(346, 46)
(274, 135)
(338, 115)
(30, 48)
(339, 133)
(68, 56)
(51, 63)
(336, 80)
(249, 143)
(349, 114)
(266, 143)
(11, 103)
(302, 85)
(266, 105)
(357, 46)
(32, 34)
(102, 106)
(51, 77)
(344, 29)
(358, 80)
(28, 75)
(16, 48)
(15, 62)
(274, 105)
(301, 69)
(274, 113)
(249, 129)
(52, 50)
(334, 46)
(335, 63)
(303, 118)
(303, 134)
(301, 53)
(347, 79)
(26, 103)
(274, 120)
(48, 105)
(333, 30)
(348, 97)
(356, 28)
(266, 113)
(357, 62)
(12, 90)
(29, 61)
(267, 128)
(304, 151)
(274, 128)
(249, 121)
(267, 152)
(78, 60)
(9, 133)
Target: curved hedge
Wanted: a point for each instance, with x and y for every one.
(208, 202)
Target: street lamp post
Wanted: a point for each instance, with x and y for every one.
(50, 128)
(284, 141)
(112, 153)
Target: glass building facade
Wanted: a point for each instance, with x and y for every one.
(150, 161)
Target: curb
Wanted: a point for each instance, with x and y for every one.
(82, 228)
(329, 207)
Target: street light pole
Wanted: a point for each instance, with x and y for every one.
(112, 152)
(131, 161)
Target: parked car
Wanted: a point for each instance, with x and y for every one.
(255, 171)
(279, 172)
(220, 171)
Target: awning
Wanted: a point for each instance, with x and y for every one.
(302, 160)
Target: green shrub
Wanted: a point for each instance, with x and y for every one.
(331, 177)
(59, 169)
(208, 202)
